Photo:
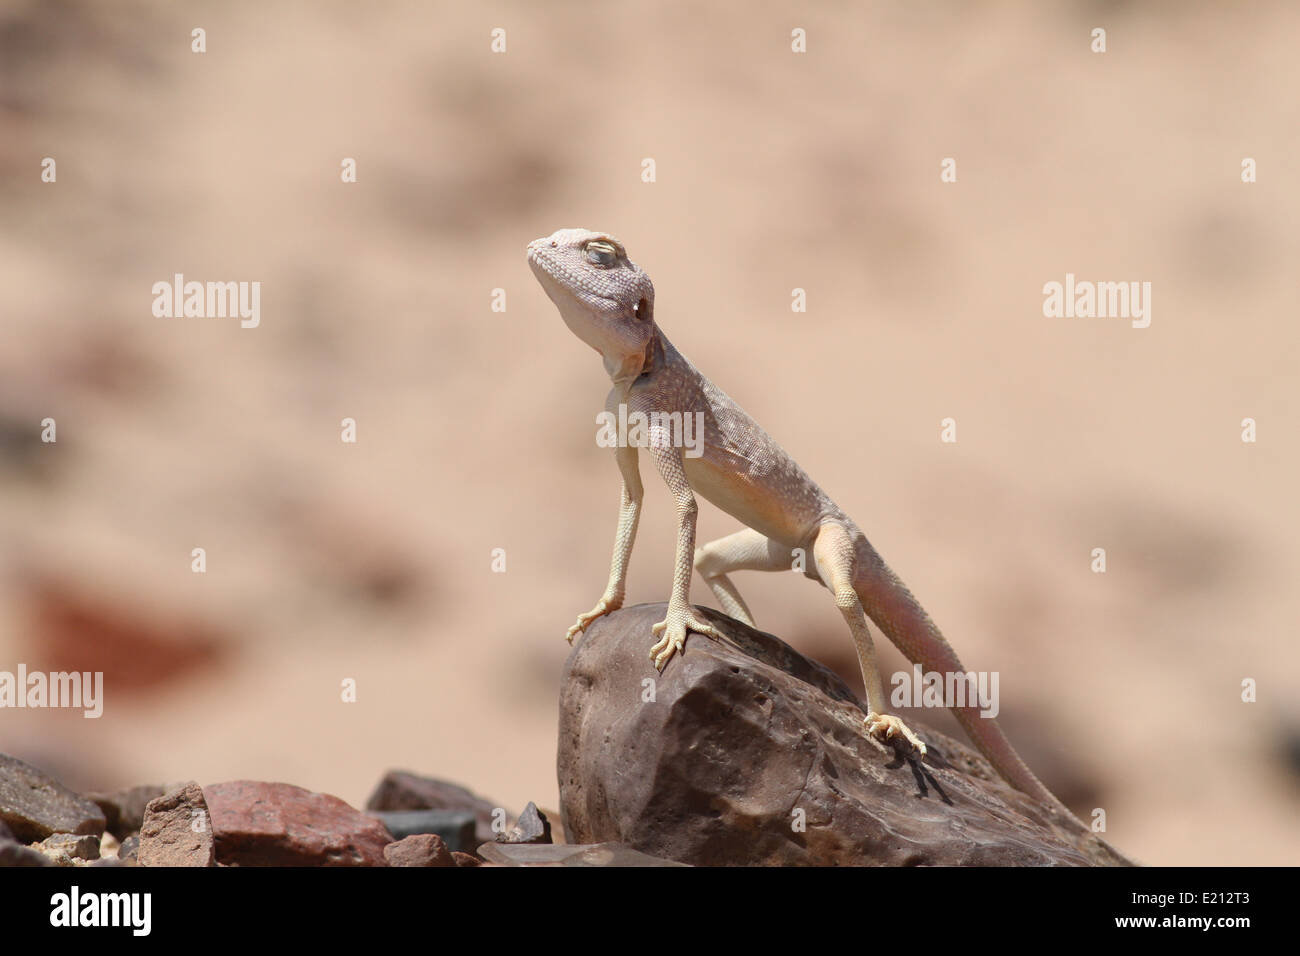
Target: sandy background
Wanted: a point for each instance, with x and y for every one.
(372, 561)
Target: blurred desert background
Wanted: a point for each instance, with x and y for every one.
(373, 561)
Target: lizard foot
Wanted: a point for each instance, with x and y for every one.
(674, 628)
(603, 607)
(885, 726)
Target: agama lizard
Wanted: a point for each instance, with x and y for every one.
(609, 303)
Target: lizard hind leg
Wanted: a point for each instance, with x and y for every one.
(746, 550)
(833, 552)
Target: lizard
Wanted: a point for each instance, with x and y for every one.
(608, 302)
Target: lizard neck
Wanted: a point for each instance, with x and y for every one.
(625, 371)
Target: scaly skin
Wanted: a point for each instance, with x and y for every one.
(608, 302)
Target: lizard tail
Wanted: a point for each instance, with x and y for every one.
(891, 605)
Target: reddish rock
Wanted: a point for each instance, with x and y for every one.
(177, 830)
(423, 849)
(752, 754)
(465, 859)
(278, 824)
(35, 806)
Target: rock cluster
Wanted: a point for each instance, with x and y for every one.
(249, 823)
(742, 752)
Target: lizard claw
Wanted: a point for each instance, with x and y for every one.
(674, 629)
(603, 607)
(885, 726)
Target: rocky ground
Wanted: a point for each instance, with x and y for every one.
(409, 820)
(743, 752)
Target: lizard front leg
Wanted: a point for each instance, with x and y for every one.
(680, 619)
(629, 514)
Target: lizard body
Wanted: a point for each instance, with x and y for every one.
(608, 301)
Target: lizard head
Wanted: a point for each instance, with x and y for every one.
(603, 296)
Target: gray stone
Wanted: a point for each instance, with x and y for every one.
(403, 790)
(531, 827)
(35, 806)
(129, 851)
(13, 853)
(124, 809)
(457, 828)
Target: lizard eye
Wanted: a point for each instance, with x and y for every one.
(601, 252)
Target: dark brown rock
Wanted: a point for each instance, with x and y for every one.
(403, 790)
(465, 859)
(63, 848)
(177, 830)
(278, 824)
(35, 806)
(754, 755)
(422, 849)
(124, 809)
(549, 854)
(531, 827)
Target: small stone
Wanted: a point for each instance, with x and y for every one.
(124, 809)
(465, 859)
(13, 853)
(550, 854)
(129, 851)
(278, 824)
(531, 827)
(458, 828)
(421, 849)
(35, 806)
(177, 830)
(63, 848)
(403, 790)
